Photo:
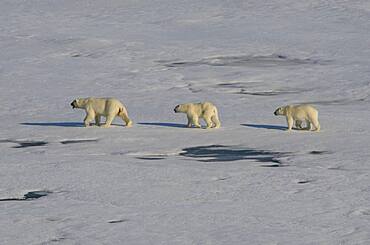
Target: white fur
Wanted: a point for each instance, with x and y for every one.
(297, 114)
(194, 111)
(98, 107)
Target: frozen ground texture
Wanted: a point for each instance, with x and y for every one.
(249, 182)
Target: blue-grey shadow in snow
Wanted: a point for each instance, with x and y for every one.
(265, 126)
(55, 124)
(173, 125)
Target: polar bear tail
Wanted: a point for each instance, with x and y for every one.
(123, 114)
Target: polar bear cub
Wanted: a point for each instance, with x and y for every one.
(297, 114)
(194, 111)
(97, 107)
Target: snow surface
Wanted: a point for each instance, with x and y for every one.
(249, 182)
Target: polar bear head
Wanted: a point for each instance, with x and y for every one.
(181, 108)
(279, 111)
(78, 103)
(74, 104)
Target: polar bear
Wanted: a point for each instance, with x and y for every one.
(106, 107)
(194, 111)
(297, 114)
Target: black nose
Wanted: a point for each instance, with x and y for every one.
(275, 113)
(174, 110)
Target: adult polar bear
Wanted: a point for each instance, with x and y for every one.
(194, 111)
(97, 107)
(296, 114)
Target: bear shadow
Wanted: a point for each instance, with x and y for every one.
(55, 124)
(265, 126)
(173, 125)
(64, 124)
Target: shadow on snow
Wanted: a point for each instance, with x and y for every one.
(265, 126)
(55, 124)
(173, 125)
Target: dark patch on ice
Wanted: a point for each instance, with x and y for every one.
(93, 55)
(58, 239)
(337, 168)
(55, 124)
(76, 55)
(232, 85)
(65, 142)
(265, 126)
(245, 88)
(271, 166)
(36, 194)
(151, 158)
(11, 199)
(304, 181)
(223, 178)
(222, 153)
(118, 153)
(246, 60)
(266, 93)
(174, 125)
(318, 152)
(24, 144)
(277, 165)
(118, 221)
(337, 101)
(194, 90)
(184, 63)
(28, 196)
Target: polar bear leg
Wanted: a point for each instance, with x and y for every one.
(89, 117)
(313, 118)
(126, 119)
(216, 121)
(97, 120)
(208, 121)
(190, 121)
(207, 118)
(195, 121)
(316, 124)
(290, 123)
(298, 124)
(308, 127)
(109, 121)
(123, 114)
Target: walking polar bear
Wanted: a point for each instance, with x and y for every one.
(194, 111)
(297, 114)
(106, 107)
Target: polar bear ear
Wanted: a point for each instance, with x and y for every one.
(79, 101)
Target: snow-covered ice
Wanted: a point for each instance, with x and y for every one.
(249, 182)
